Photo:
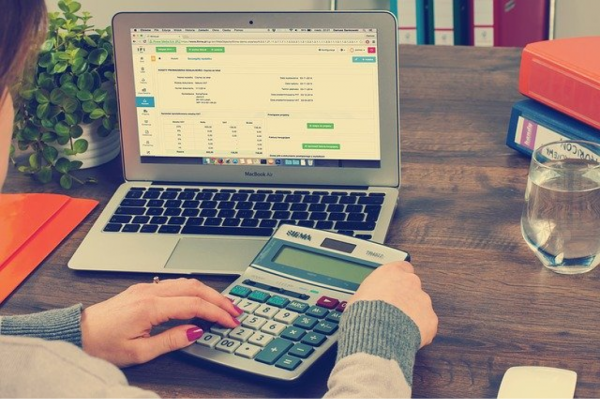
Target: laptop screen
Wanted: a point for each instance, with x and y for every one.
(295, 97)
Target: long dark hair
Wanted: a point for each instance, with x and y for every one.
(22, 27)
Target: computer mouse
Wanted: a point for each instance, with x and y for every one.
(537, 382)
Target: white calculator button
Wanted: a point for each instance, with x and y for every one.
(228, 345)
(234, 299)
(260, 339)
(273, 327)
(219, 330)
(267, 311)
(248, 306)
(248, 351)
(254, 322)
(241, 334)
(286, 316)
(209, 340)
(242, 317)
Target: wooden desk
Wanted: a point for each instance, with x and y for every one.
(458, 215)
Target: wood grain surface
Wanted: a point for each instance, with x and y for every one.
(458, 216)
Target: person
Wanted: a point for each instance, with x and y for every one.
(76, 351)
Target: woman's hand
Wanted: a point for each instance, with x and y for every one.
(118, 329)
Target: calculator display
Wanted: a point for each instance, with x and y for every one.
(321, 264)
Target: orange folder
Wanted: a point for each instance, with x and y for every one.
(31, 227)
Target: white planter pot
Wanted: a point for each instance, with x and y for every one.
(100, 149)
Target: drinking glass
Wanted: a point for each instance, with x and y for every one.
(561, 217)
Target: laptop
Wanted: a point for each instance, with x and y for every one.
(235, 123)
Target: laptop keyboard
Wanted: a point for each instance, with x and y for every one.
(244, 212)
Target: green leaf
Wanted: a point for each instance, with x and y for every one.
(74, 7)
(76, 165)
(42, 110)
(47, 84)
(89, 106)
(42, 96)
(63, 6)
(57, 96)
(27, 94)
(69, 152)
(48, 124)
(85, 81)
(103, 131)
(70, 89)
(108, 123)
(62, 140)
(71, 105)
(80, 66)
(98, 56)
(66, 181)
(71, 119)
(66, 78)
(34, 161)
(12, 150)
(48, 137)
(54, 112)
(62, 165)
(62, 129)
(25, 169)
(78, 53)
(110, 106)
(89, 41)
(76, 131)
(50, 153)
(97, 113)
(85, 95)
(48, 45)
(44, 175)
(46, 60)
(80, 146)
(60, 67)
(100, 95)
(30, 133)
(63, 55)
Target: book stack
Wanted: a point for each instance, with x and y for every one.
(562, 80)
(509, 23)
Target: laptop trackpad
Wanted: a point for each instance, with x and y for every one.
(214, 255)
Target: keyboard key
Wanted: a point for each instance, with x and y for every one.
(244, 205)
(248, 306)
(301, 350)
(254, 322)
(275, 197)
(203, 196)
(335, 216)
(209, 340)
(299, 307)
(173, 189)
(348, 200)
(241, 334)
(306, 322)
(355, 217)
(208, 213)
(134, 194)
(212, 222)
(318, 216)
(131, 228)
(133, 202)
(272, 352)
(281, 215)
(172, 212)
(168, 229)
(191, 204)
(299, 207)
(249, 223)
(293, 333)
(268, 223)
(365, 226)
(248, 351)
(235, 300)
(231, 222)
(173, 204)
(190, 212)
(273, 328)
(334, 316)
(113, 227)
(335, 208)
(168, 195)
(371, 200)
(330, 199)
(240, 197)
(326, 328)
(222, 197)
(328, 302)
(219, 330)
(294, 199)
(226, 205)
(278, 301)
(128, 210)
(364, 236)
(158, 220)
(149, 228)
(354, 208)
(260, 339)
(314, 339)
(306, 223)
(267, 311)
(286, 316)
(194, 222)
(259, 296)
(280, 206)
(229, 231)
(150, 195)
(317, 311)
(288, 363)
(154, 211)
(141, 219)
(228, 345)
(120, 219)
(240, 291)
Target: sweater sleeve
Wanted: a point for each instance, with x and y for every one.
(376, 352)
(52, 325)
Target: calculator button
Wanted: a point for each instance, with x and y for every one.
(209, 340)
(278, 301)
(286, 316)
(342, 306)
(228, 345)
(324, 327)
(266, 311)
(219, 330)
(328, 302)
(241, 334)
(259, 296)
(299, 307)
(248, 351)
(248, 306)
(260, 339)
(274, 351)
(314, 339)
(240, 291)
(334, 316)
(301, 350)
(254, 322)
(317, 312)
(293, 333)
(273, 327)
(288, 363)
(306, 322)
(233, 299)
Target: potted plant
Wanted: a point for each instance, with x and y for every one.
(66, 110)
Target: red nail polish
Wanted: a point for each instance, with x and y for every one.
(236, 321)
(194, 334)
(237, 309)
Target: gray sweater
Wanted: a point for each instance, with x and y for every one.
(40, 356)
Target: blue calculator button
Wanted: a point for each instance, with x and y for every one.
(299, 307)
(240, 291)
(326, 327)
(293, 333)
(278, 301)
(306, 322)
(301, 350)
(314, 339)
(334, 316)
(317, 312)
(288, 363)
(273, 351)
(259, 296)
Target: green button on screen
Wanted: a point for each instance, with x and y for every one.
(319, 125)
(165, 49)
(205, 49)
(320, 146)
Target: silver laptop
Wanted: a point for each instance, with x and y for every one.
(233, 124)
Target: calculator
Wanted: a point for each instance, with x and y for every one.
(293, 295)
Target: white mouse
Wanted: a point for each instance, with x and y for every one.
(537, 382)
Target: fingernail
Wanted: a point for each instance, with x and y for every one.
(236, 321)
(194, 333)
(237, 309)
